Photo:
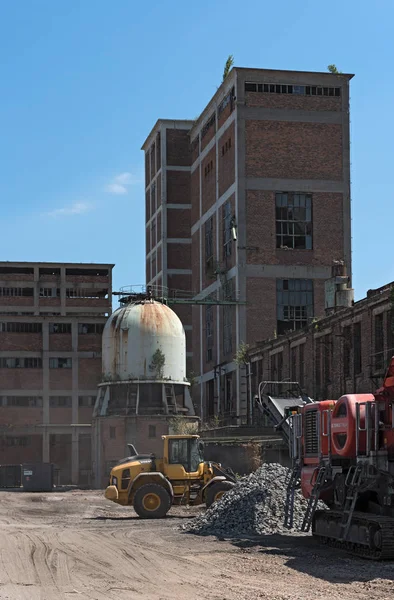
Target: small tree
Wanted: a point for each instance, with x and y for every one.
(227, 67)
(242, 355)
(334, 70)
(157, 364)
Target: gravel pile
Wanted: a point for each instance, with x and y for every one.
(256, 505)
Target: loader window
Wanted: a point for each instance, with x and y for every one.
(186, 452)
(178, 451)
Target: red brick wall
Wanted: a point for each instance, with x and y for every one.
(178, 222)
(195, 261)
(89, 373)
(224, 115)
(159, 261)
(290, 101)
(208, 136)
(179, 282)
(60, 447)
(178, 187)
(184, 312)
(20, 416)
(208, 274)
(85, 414)
(20, 342)
(327, 215)
(158, 227)
(226, 160)
(147, 270)
(208, 181)
(194, 145)
(60, 341)
(60, 414)
(178, 148)
(158, 191)
(293, 150)
(147, 168)
(196, 340)
(147, 239)
(261, 310)
(23, 379)
(195, 196)
(147, 206)
(229, 261)
(178, 256)
(90, 342)
(60, 379)
(13, 455)
(17, 300)
(96, 302)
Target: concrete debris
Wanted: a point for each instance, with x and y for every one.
(256, 505)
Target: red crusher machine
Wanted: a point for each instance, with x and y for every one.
(342, 453)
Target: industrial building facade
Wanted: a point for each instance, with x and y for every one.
(346, 352)
(51, 319)
(253, 206)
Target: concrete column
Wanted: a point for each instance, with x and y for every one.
(45, 446)
(36, 290)
(163, 148)
(75, 372)
(74, 456)
(45, 372)
(63, 291)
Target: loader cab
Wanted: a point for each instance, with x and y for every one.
(183, 456)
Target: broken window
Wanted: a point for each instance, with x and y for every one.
(303, 90)
(20, 327)
(86, 293)
(11, 291)
(227, 223)
(87, 272)
(60, 363)
(25, 401)
(20, 363)
(85, 328)
(86, 401)
(294, 298)
(49, 292)
(294, 221)
(208, 244)
(59, 327)
(60, 401)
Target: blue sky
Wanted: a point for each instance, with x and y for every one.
(83, 81)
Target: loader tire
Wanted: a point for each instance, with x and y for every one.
(152, 501)
(216, 491)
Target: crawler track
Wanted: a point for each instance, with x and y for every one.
(370, 536)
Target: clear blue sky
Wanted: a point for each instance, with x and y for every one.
(83, 81)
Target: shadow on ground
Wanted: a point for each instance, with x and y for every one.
(306, 555)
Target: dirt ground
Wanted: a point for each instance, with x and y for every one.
(77, 545)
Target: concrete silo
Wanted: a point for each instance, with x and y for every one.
(144, 389)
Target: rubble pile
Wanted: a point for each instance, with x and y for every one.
(256, 505)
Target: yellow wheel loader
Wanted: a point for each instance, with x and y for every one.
(152, 485)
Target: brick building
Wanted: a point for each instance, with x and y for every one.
(168, 213)
(348, 351)
(51, 319)
(263, 208)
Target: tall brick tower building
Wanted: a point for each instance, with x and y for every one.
(265, 181)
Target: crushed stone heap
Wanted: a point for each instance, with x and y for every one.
(256, 505)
